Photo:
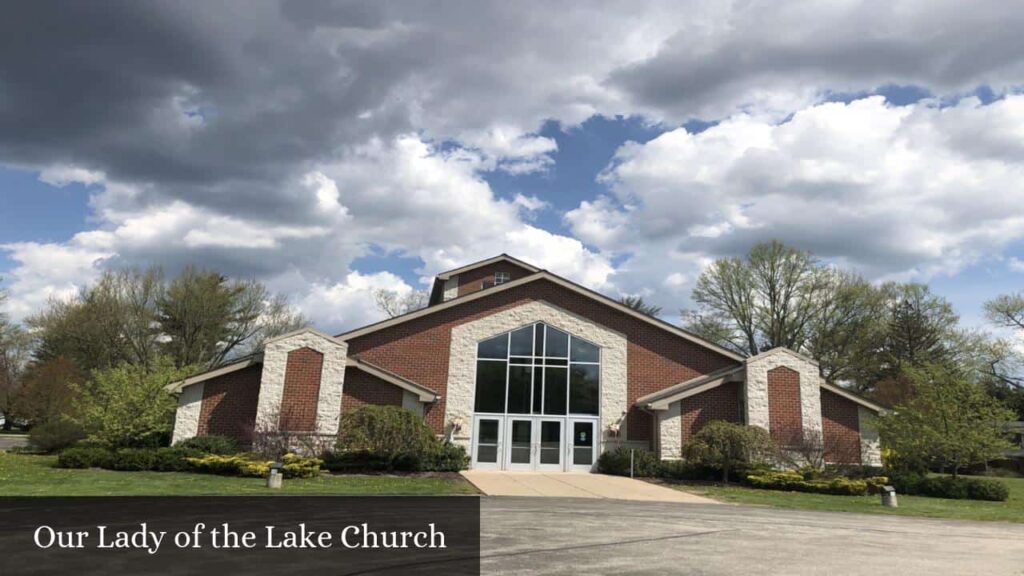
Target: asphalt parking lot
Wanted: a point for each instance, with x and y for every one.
(8, 441)
(580, 536)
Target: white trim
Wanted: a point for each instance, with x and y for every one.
(878, 409)
(423, 393)
(661, 399)
(227, 369)
(542, 275)
(499, 258)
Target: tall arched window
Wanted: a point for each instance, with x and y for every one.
(538, 370)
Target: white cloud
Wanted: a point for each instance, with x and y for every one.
(48, 271)
(349, 303)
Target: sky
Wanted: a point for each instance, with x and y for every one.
(329, 149)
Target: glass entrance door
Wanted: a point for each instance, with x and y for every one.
(521, 445)
(549, 445)
(487, 442)
(581, 448)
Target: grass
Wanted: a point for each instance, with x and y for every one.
(31, 475)
(1010, 511)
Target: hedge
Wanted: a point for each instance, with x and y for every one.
(250, 466)
(960, 488)
(210, 444)
(795, 482)
(444, 458)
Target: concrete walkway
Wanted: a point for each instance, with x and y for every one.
(569, 485)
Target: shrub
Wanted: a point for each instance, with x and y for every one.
(250, 466)
(210, 444)
(616, 462)
(133, 459)
(173, 459)
(795, 482)
(55, 435)
(447, 458)
(386, 431)
(85, 457)
(960, 488)
(727, 447)
(128, 406)
(356, 462)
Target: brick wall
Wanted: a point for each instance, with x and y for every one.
(473, 280)
(418, 349)
(784, 414)
(362, 389)
(720, 403)
(301, 390)
(840, 422)
(229, 404)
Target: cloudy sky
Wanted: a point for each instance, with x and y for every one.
(329, 148)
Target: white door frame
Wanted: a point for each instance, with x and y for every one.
(570, 444)
(538, 423)
(500, 458)
(531, 424)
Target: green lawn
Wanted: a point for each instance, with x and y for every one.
(1010, 511)
(26, 475)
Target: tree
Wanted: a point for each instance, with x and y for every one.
(846, 326)
(205, 318)
(727, 446)
(128, 405)
(14, 351)
(109, 323)
(48, 390)
(949, 423)
(637, 303)
(392, 303)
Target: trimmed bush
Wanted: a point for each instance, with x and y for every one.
(250, 466)
(729, 447)
(133, 459)
(210, 444)
(447, 458)
(85, 457)
(388, 431)
(55, 435)
(173, 459)
(795, 482)
(960, 488)
(616, 462)
(356, 462)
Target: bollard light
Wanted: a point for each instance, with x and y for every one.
(276, 477)
(889, 497)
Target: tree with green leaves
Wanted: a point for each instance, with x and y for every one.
(637, 303)
(949, 423)
(727, 447)
(14, 353)
(128, 405)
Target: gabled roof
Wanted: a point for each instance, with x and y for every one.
(853, 397)
(235, 366)
(425, 394)
(661, 399)
(499, 258)
(535, 277)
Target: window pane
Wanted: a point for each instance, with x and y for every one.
(519, 385)
(550, 442)
(496, 347)
(554, 390)
(521, 436)
(558, 343)
(488, 432)
(556, 361)
(539, 342)
(538, 389)
(521, 359)
(490, 386)
(583, 388)
(522, 342)
(583, 351)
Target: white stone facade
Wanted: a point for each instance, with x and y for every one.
(332, 379)
(670, 430)
(870, 445)
(186, 419)
(757, 388)
(462, 363)
(451, 288)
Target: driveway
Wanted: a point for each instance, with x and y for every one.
(567, 485)
(586, 536)
(8, 441)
